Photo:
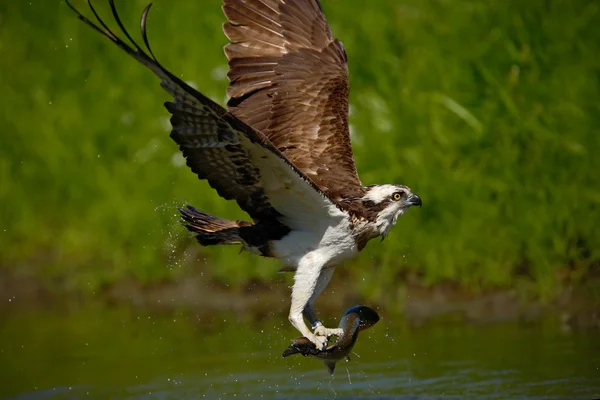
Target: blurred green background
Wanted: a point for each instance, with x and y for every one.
(489, 110)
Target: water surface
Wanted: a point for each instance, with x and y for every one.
(131, 354)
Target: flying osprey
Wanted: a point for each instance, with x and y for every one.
(281, 149)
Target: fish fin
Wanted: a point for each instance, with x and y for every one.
(330, 364)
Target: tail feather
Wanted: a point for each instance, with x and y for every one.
(211, 230)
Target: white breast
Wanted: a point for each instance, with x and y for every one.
(329, 240)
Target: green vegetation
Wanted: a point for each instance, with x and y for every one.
(489, 110)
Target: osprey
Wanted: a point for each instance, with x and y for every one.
(281, 149)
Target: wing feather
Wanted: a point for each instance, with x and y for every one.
(289, 80)
(239, 162)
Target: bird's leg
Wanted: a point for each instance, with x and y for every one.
(309, 311)
(305, 283)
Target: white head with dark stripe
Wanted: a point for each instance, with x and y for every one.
(387, 202)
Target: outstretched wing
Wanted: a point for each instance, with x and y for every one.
(239, 162)
(289, 80)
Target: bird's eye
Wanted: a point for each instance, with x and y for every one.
(397, 196)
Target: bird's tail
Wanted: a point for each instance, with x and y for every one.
(212, 230)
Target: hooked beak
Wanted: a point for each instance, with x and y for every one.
(414, 200)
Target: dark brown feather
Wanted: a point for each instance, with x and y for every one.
(289, 80)
(216, 145)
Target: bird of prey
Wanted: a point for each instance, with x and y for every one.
(281, 149)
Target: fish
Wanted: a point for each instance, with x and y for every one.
(354, 320)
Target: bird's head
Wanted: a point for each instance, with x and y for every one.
(387, 202)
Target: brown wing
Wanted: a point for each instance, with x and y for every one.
(239, 162)
(289, 80)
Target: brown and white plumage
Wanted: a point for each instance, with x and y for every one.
(282, 149)
(289, 80)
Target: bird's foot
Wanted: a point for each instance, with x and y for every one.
(319, 341)
(322, 334)
(327, 332)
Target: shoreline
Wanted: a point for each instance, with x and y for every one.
(575, 308)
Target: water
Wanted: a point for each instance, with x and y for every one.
(131, 354)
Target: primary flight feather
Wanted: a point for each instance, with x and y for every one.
(282, 148)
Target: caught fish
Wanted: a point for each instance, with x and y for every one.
(354, 320)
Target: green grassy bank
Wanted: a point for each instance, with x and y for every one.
(489, 110)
